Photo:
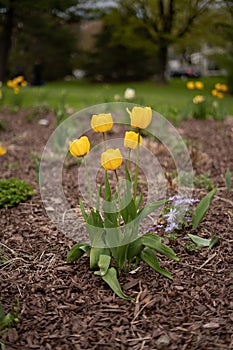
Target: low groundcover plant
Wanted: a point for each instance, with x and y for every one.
(113, 226)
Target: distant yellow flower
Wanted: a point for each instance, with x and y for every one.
(190, 85)
(10, 83)
(19, 79)
(111, 159)
(2, 151)
(224, 87)
(102, 122)
(80, 147)
(140, 117)
(218, 86)
(214, 92)
(131, 140)
(198, 99)
(24, 83)
(220, 95)
(199, 85)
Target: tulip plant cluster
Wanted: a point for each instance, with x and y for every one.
(113, 226)
(202, 106)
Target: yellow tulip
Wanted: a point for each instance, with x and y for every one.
(24, 83)
(140, 117)
(131, 140)
(198, 99)
(10, 83)
(19, 79)
(199, 85)
(218, 86)
(190, 85)
(214, 92)
(224, 88)
(102, 122)
(111, 159)
(2, 151)
(80, 147)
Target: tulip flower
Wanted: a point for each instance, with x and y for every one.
(2, 151)
(190, 85)
(140, 117)
(111, 159)
(214, 92)
(224, 87)
(198, 99)
(131, 140)
(80, 147)
(102, 122)
(199, 85)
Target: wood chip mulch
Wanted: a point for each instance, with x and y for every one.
(66, 307)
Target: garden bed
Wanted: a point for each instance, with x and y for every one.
(67, 307)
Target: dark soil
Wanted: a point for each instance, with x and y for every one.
(67, 307)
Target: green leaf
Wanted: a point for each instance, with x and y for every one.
(134, 248)
(202, 208)
(84, 214)
(154, 242)
(77, 251)
(203, 242)
(98, 248)
(214, 240)
(103, 263)
(148, 256)
(128, 211)
(138, 200)
(200, 242)
(228, 180)
(111, 279)
(149, 208)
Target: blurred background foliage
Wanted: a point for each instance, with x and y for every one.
(128, 40)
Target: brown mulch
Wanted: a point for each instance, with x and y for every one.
(67, 307)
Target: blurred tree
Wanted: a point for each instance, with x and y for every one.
(117, 54)
(160, 22)
(36, 29)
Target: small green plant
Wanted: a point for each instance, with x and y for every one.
(14, 191)
(228, 180)
(8, 320)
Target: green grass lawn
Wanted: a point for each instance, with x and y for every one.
(171, 100)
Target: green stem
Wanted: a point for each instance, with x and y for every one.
(117, 178)
(104, 138)
(129, 151)
(88, 182)
(136, 169)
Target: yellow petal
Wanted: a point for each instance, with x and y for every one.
(2, 151)
(111, 159)
(80, 147)
(102, 122)
(131, 140)
(140, 117)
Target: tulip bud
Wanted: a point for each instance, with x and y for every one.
(111, 159)
(140, 117)
(102, 122)
(131, 140)
(80, 147)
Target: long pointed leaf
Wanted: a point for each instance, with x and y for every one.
(154, 242)
(77, 251)
(103, 263)
(202, 208)
(148, 256)
(111, 279)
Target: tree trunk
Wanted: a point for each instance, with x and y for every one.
(6, 41)
(162, 61)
